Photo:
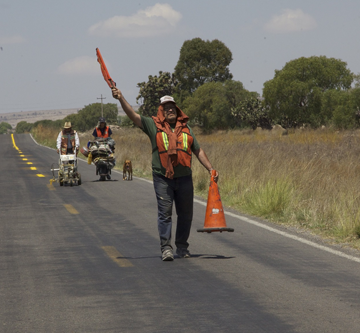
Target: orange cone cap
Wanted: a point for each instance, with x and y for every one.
(214, 216)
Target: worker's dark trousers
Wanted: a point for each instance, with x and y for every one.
(181, 191)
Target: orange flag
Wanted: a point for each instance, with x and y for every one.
(104, 70)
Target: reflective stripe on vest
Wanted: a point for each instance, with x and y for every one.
(183, 147)
(166, 141)
(185, 141)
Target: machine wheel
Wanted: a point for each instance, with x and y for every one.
(61, 182)
(102, 178)
(79, 179)
(71, 183)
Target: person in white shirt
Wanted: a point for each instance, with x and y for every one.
(67, 141)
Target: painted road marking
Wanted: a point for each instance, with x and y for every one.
(13, 140)
(32, 168)
(24, 159)
(40, 175)
(116, 256)
(71, 209)
(29, 163)
(22, 155)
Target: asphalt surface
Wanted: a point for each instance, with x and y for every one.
(87, 259)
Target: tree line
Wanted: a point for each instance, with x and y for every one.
(85, 119)
(313, 91)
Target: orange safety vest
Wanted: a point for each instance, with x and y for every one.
(64, 142)
(183, 147)
(100, 135)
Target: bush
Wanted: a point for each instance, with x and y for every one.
(4, 127)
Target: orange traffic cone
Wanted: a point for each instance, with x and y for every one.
(214, 216)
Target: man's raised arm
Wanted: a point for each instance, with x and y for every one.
(134, 117)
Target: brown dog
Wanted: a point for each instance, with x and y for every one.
(127, 170)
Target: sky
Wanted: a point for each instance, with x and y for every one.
(48, 58)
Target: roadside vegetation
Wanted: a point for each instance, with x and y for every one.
(307, 178)
(290, 156)
(4, 127)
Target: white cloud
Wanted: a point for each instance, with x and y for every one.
(11, 40)
(80, 65)
(153, 21)
(291, 20)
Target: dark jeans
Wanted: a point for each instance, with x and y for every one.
(181, 191)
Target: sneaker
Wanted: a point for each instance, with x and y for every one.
(167, 255)
(183, 253)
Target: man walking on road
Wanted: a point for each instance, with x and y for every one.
(173, 143)
(67, 141)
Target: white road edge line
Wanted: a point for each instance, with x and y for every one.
(285, 234)
(258, 224)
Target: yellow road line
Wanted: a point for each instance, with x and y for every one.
(22, 155)
(71, 209)
(116, 256)
(13, 140)
(24, 159)
(40, 175)
(29, 163)
(32, 168)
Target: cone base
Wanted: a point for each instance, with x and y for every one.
(215, 230)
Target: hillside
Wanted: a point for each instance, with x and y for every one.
(32, 116)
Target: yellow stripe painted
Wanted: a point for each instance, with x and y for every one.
(32, 168)
(24, 159)
(71, 209)
(116, 256)
(29, 163)
(13, 140)
(40, 175)
(22, 155)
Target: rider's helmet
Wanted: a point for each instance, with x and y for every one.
(102, 120)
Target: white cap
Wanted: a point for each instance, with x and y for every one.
(166, 99)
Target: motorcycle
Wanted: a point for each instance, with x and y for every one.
(100, 152)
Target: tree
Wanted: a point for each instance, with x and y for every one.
(4, 127)
(295, 93)
(151, 91)
(251, 112)
(23, 127)
(210, 105)
(202, 62)
(346, 109)
(88, 117)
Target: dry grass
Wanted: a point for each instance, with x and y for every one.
(306, 178)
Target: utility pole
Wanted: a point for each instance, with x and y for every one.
(102, 112)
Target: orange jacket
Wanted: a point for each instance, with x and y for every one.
(100, 135)
(183, 148)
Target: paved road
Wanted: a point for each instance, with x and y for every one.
(87, 259)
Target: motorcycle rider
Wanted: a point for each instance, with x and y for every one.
(68, 140)
(101, 130)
